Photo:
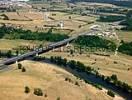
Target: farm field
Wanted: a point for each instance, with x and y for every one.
(10, 44)
(51, 79)
(125, 35)
(36, 21)
(75, 25)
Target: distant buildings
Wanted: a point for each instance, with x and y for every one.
(12, 4)
(20, 0)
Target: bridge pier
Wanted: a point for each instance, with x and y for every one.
(116, 51)
(67, 44)
(37, 54)
(53, 49)
(61, 49)
(16, 62)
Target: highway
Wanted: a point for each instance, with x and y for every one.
(41, 50)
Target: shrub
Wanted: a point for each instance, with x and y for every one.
(66, 79)
(115, 62)
(114, 77)
(98, 86)
(108, 79)
(19, 66)
(110, 93)
(23, 69)
(76, 83)
(38, 92)
(45, 95)
(27, 89)
(58, 98)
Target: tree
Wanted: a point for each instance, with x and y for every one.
(45, 95)
(52, 59)
(72, 64)
(80, 66)
(110, 93)
(19, 66)
(69, 17)
(9, 53)
(58, 98)
(97, 74)
(64, 62)
(76, 83)
(38, 92)
(27, 89)
(17, 52)
(23, 69)
(108, 79)
(71, 52)
(59, 60)
(89, 69)
(79, 26)
(114, 77)
(126, 87)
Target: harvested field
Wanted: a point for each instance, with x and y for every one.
(50, 79)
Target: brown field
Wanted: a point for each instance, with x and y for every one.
(125, 35)
(24, 16)
(10, 44)
(31, 20)
(105, 65)
(50, 78)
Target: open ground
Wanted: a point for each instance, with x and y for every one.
(51, 79)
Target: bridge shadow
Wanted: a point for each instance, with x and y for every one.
(4, 68)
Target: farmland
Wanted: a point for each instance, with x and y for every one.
(52, 81)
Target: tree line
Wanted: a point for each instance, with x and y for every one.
(12, 33)
(80, 67)
(110, 18)
(126, 48)
(95, 41)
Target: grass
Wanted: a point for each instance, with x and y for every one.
(105, 65)
(50, 78)
(10, 44)
(125, 35)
